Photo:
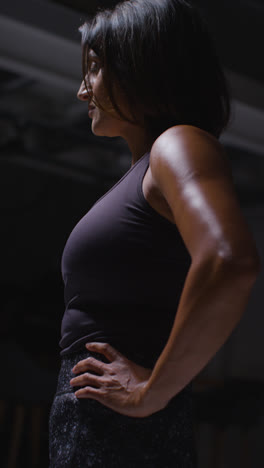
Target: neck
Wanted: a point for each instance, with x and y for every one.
(139, 143)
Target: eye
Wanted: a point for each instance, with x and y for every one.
(94, 66)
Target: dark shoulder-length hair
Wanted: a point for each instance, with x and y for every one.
(162, 56)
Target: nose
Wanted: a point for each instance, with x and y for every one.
(83, 94)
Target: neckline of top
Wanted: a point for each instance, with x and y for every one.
(138, 160)
(120, 180)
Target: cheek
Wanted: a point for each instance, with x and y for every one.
(100, 92)
(104, 120)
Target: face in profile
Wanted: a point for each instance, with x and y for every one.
(105, 122)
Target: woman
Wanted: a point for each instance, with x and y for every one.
(159, 271)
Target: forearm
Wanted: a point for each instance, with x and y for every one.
(211, 305)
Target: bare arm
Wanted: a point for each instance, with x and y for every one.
(189, 167)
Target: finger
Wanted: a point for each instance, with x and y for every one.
(104, 348)
(89, 363)
(89, 392)
(85, 379)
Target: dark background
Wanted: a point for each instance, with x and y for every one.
(52, 169)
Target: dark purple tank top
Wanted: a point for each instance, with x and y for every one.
(124, 267)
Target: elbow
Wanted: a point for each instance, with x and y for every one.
(243, 265)
(226, 261)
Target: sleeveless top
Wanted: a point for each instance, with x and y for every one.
(123, 267)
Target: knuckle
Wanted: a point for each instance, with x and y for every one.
(89, 360)
(103, 392)
(86, 376)
(106, 382)
(94, 363)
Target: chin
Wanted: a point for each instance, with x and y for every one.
(104, 130)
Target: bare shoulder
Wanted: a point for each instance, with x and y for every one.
(187, 151)
(190, 169)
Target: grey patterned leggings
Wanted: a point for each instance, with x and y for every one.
(85, 433)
